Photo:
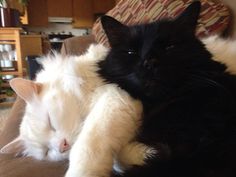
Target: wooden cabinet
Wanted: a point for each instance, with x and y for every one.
(102, 6)
(83, 13)
(37, 13)
(86, 11)
(59, 8)
(21, 46)
(31, 45)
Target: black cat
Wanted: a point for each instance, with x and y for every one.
(189, 100)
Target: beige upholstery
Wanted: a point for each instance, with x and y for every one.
(11, 127)
(77, 45)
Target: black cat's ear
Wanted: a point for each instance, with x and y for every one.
(188, 19)
(114, 30)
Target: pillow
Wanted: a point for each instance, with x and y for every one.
(214, 16)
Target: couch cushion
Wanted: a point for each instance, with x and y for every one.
(77, 45)
(214, 16)
(27, 167)
(11, 128)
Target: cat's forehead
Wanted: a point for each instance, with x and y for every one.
(156, 31)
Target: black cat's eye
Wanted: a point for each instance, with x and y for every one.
(131, 52)
(169, 47)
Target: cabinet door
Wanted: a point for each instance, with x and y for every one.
(59, 8)
(83, 13)
(102, 6)
(37, 13)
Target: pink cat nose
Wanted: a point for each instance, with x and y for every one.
(64, 146)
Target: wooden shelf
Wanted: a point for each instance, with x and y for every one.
(8, 42)
(16, 73)
(6, 104)
(6, 96)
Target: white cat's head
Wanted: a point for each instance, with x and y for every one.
(49, 126)
(57, 104)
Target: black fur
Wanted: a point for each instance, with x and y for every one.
(189, 100)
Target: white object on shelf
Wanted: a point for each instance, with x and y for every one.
(8, 63)
(9, 77)
(8, 47)
(1, 48)
(2, 63)
(12, 55)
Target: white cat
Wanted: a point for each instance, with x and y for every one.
(71, 113)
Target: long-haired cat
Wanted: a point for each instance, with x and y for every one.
(189, 99)
(71, 113)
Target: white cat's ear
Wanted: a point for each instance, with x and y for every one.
(14, 147)
(26, 89)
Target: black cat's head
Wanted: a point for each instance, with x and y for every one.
(149, 60)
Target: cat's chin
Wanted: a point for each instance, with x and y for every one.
(52, 155)
(58, 158)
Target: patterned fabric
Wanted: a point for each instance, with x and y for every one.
(214, 16)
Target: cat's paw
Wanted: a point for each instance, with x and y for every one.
(136, 154)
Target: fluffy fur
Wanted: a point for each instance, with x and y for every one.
(189, 97)
(223, 50)
(71, 113)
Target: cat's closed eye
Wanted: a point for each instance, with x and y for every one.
(46, 152)
(50, 124)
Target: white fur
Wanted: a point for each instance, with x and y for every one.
(98, 120)
(134, 154)
(223, 50)
(112, 123)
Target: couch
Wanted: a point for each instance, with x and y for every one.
(11, 166)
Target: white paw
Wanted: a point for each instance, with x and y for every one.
(136, 154)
